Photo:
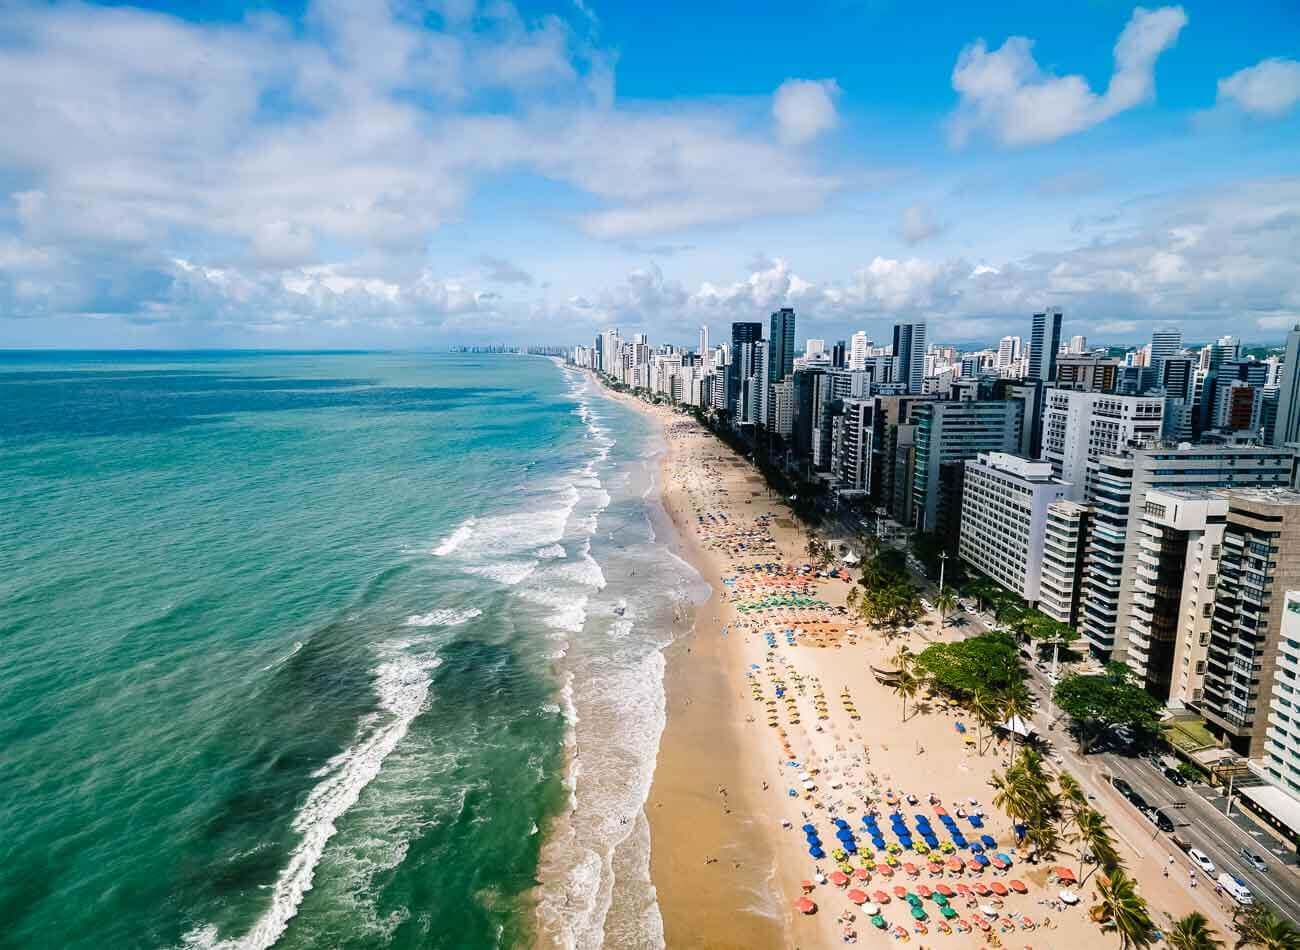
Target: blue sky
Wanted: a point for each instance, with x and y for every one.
(416, 174)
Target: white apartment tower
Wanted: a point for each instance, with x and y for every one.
(1078, 427)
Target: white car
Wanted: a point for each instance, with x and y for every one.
(1202, 860)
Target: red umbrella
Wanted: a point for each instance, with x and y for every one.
(998, 888)
(963, 890)
(945, 890)
(885, 869)
(900, 891)
(980, 922)
(862, 874)
(973, 865)
(936, 867)
(1018, 886)
(857, 896)
(1000, 864)
(880, 897)
(980, 888)
(940, 810)
(911, 869)
(839, 878)
(955, 865)
(923, 890)
(804, 906)
(1064, 874)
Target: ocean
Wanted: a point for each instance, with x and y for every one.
(327, 650)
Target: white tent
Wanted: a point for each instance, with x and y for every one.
(1018, 726)
(850, 558)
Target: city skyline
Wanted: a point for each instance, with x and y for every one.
(382, 175)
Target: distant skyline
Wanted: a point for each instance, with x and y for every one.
(352, 173)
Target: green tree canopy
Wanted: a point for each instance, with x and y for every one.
(985, 663)
(1111, 699)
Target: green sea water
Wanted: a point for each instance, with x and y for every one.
(293, 646)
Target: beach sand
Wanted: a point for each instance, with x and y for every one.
(727, 854)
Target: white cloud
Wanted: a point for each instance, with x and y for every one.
(1269, 88)
(804, 109)
(918, 223)
(1006, 94)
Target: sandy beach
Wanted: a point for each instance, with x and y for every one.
(775, 723)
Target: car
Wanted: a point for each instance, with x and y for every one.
(1163, 821)
(1202, 860)
(1236, 888)
(1176, 777)
(1254, 860)
(1140, 803)
(1123, 787)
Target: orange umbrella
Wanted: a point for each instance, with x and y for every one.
(923, 890)
(935, 867)
(1018, 886)
(880, 897)
(807, 886)
(955, 865)
(973, 865)
(911, 869)
(998, 888)
(885, 869)
(862, 874)
(900, 891)
(857, 896)
(839, 878)
(963, 890)
(980, 888)
(1064, 874)
(804, 906)
(945, 890)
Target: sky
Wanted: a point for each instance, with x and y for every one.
(362, 173)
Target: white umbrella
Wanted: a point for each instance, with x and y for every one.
(870, 909)
(1069, 897)
(1018, 726)
(988, 910)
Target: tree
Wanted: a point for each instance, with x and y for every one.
(985, 591)
(1073, 797)
(985, 711)
(1259, 926)
(1014, 702)
(1193, 932)
(945, 601)
(892, 605)
(854, 596)
(1093, 837)
(989, 662)
(1025, 793)
(1112, 699)
(1120, 909)
(906, 686)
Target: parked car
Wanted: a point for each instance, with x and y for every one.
(1123, 787)
(1202, 860)
(1163, 821)
(1254, 860)
(1140, 803)
(1176, 777)
(1236, 888)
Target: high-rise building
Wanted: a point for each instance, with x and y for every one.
(851, 445)
(704, 341)
(1079, 427)
(814, 347)
(1008, 353)
(947, 434)
(1164, 344)
(839, 357)
(783, 407)
(1096, 374)
(742, 335)
(1117, 490)
(1287, 427)
(858, 347)
(1078, 345)
(1065, 537)
(780, 342)
(1259, 564)
(1044, 343)
(909, 355)
(1004, 507)
(1280, 763)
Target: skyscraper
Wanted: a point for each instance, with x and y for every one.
(1078, 344)
(1164, 343)
(780, 357)
(909, 355)
(704, 342)
(1287, 428)
(858, 346)
(1044, 342)
(839, 354)
(741, 334)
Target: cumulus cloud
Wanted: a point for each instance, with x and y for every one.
(501, 271)
(1004, 92)
(342, 138)
(1270, 88)
(917, 223)
(804, 109)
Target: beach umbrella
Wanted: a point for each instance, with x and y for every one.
(1005, 857)
(973, 864)
(983, 860)
(1018, 886)
(857, 896)
(936, 867)
(885, 869)
(880, 897)
(850, 846)
(817, 853)
(839, 822)
(844, 834)
(955, 865)
(945, 891)
(988, 841)
(807, 886)
(900, 891)
(948, 912)
(839, 878)
(964, 890)
(1069, 897)
(918, 913)
(980, 888)
(940, 900)
(999, 863)
(911, 868)
(870, 908)
(923, 890)
(998, 888)
(878, 921)
(862, 874)
(940, 811)
(805, 905)
(810, 829)
(1064, 874)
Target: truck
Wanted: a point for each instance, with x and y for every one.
(1236, 888)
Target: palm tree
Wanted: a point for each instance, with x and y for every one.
(1015, 702)
(1013, 793)
(984, 710)
(1194, 932)
(904, 659)
(907, 686)
(1092, 834)
(945, 601)
(1258, 926)
(1072, 794)
(1120, 909)
(851, 601)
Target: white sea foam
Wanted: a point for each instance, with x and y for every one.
(568, 610)
(401, 684)
(296, 647)
(551, 552)
(455, 539)
(508, 573)
(446, 617)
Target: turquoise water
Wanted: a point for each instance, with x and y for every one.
(294, 645)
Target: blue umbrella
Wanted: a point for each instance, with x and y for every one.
(932, 841)
(976, 821)
(878, 842)
(840, 822)
(844, 834)
(983, 860)
(817, 853)
(977, 848)
(1004, 857)
(905, 841)
(988, 841)
(809, 829)
(814, 841)
(850, 847)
